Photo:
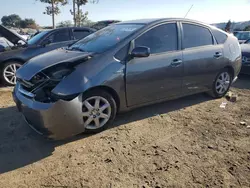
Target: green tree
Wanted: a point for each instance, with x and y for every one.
(12, 20)
(67, 23)
(79, 16)
(247, 28)
(53, 8)
(27, 23)
(228, 26)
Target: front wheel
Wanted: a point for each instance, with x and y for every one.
(221, 84)
(98, 110)
(9, 73)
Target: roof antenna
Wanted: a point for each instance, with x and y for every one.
(188, 11)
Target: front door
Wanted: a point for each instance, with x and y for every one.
(202, 58)
(158, 76)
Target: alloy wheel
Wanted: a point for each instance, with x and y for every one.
(96, 112)
(9, 73)
(222, 83)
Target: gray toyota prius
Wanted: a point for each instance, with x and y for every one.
(126, 65)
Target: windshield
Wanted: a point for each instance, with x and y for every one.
(37, 37)
(106, 38)
(243, 35)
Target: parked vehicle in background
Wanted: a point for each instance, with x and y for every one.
(245, 50)
(235, 32)
(5, 44)
(121, 67)
(242, 36)
(23, 50)
(101, 24)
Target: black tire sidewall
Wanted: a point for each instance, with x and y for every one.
(215, 94)
(110, 99)
(4, 82)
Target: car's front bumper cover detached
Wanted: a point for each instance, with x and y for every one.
(57, 120)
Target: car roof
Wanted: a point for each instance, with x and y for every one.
(61, 28)
(156, 20)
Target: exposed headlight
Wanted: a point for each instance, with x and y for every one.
(60, 74)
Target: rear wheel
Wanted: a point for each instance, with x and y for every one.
(98, 110)
(8, 73)
(221, 83)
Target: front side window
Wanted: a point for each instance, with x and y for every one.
(59, 36)
(195, 36)
(163, 38)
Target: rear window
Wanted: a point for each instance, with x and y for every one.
(219, 36)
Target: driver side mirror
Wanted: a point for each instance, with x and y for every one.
(140, 51)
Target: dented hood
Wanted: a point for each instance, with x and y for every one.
(44, 61)
(10, 36)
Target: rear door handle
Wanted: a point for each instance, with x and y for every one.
(217, 54)
(176, 62)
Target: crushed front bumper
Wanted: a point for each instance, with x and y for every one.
(57, 120)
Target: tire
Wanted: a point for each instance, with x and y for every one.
(105, 98)
(216, 84)
(8, 78)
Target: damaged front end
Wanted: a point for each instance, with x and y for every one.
(40, 86)
(55, 116)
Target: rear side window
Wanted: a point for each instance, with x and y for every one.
(219, 36)
(195, 36)
(160, 39)
(79, 34)
(59, 36)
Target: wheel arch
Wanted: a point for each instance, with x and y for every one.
(109, 90)
(231, 71)
(12, 59)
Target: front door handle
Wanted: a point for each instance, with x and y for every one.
(217, 54)
(176, 62)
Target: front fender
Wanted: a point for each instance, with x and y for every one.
(84, 78)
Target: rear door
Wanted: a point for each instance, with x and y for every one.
(158, 76)
(202, 58)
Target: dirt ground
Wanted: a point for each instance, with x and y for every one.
(189, 142)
